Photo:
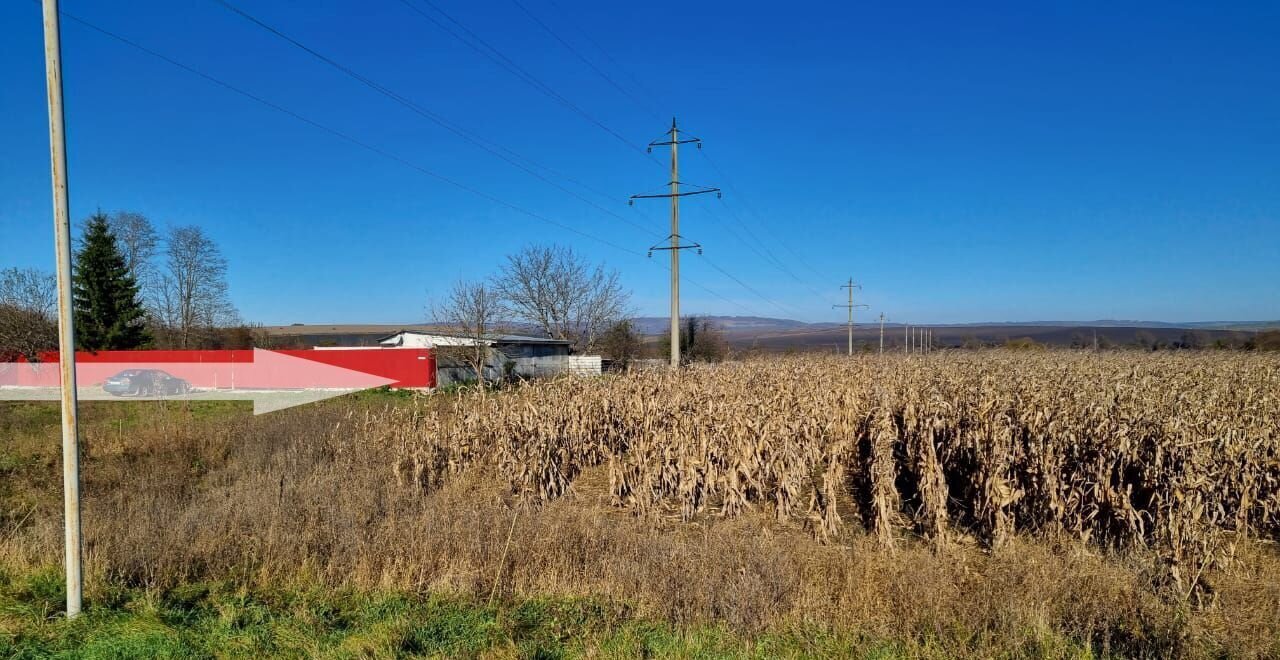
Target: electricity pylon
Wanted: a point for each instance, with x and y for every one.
(850, 306)
(672, 139)
(882, 333)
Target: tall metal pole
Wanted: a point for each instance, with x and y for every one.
(850, 285)
(675, 247)
(882, 333)
(672, 139)
(66, 329)
(906, 331)
(850, 306)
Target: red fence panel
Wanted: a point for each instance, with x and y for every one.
(410, 367)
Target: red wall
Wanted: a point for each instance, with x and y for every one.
(411, 367)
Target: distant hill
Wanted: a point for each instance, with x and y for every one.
(650, 325)
(775, 334)
(659, 324)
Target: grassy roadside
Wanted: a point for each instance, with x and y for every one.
(218, 620)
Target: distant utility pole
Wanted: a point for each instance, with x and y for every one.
(882, 333)
(672, 139)
(850, 306)
(906, 333)
(66, 328)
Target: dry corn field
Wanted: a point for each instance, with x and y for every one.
(1175, 455)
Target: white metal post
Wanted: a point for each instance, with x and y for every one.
(66, 329)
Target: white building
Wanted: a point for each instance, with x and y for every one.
(519, 355)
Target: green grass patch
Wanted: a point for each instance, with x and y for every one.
(214, 620)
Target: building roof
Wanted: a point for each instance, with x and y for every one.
(495, 338)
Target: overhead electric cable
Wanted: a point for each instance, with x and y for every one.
(759, 217)
(497, 150)
(607, 78)
(368, 147)
(785, 309)
(586, 35)
(498, 57)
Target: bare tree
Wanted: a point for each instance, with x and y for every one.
(25, 332)
(191, 293)
(473, 310)
(622, 344)
(557, 290)
(30, 290)
(138, 241)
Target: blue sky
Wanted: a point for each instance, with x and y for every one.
(1068, 160)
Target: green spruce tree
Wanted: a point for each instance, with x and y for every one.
(108, 315)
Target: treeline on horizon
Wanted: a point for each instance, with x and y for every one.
(1141, 340)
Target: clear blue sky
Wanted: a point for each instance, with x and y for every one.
(1067, 160)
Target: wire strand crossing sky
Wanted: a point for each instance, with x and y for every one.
(991, 162)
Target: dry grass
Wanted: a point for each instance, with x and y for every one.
(980, 506)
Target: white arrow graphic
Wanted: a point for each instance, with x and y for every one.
(273, 381)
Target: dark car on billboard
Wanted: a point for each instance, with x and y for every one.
(145, 382)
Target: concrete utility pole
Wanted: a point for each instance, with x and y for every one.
(906, 333)
(66, 328)
(672, 139)
(850, 306)
(882, 333)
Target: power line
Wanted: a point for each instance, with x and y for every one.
(372, 148)
(607, 78)
(758, 216)
(766, 255)
(645, 107)
(603, 51)
(744, 285)
(498, 57)
(496, 150)
(346, 137)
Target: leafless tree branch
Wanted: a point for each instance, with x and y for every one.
(558, 291)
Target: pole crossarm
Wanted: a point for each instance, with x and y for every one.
(717, 191)
(676, 245)
(655, 143)
(672, 138)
